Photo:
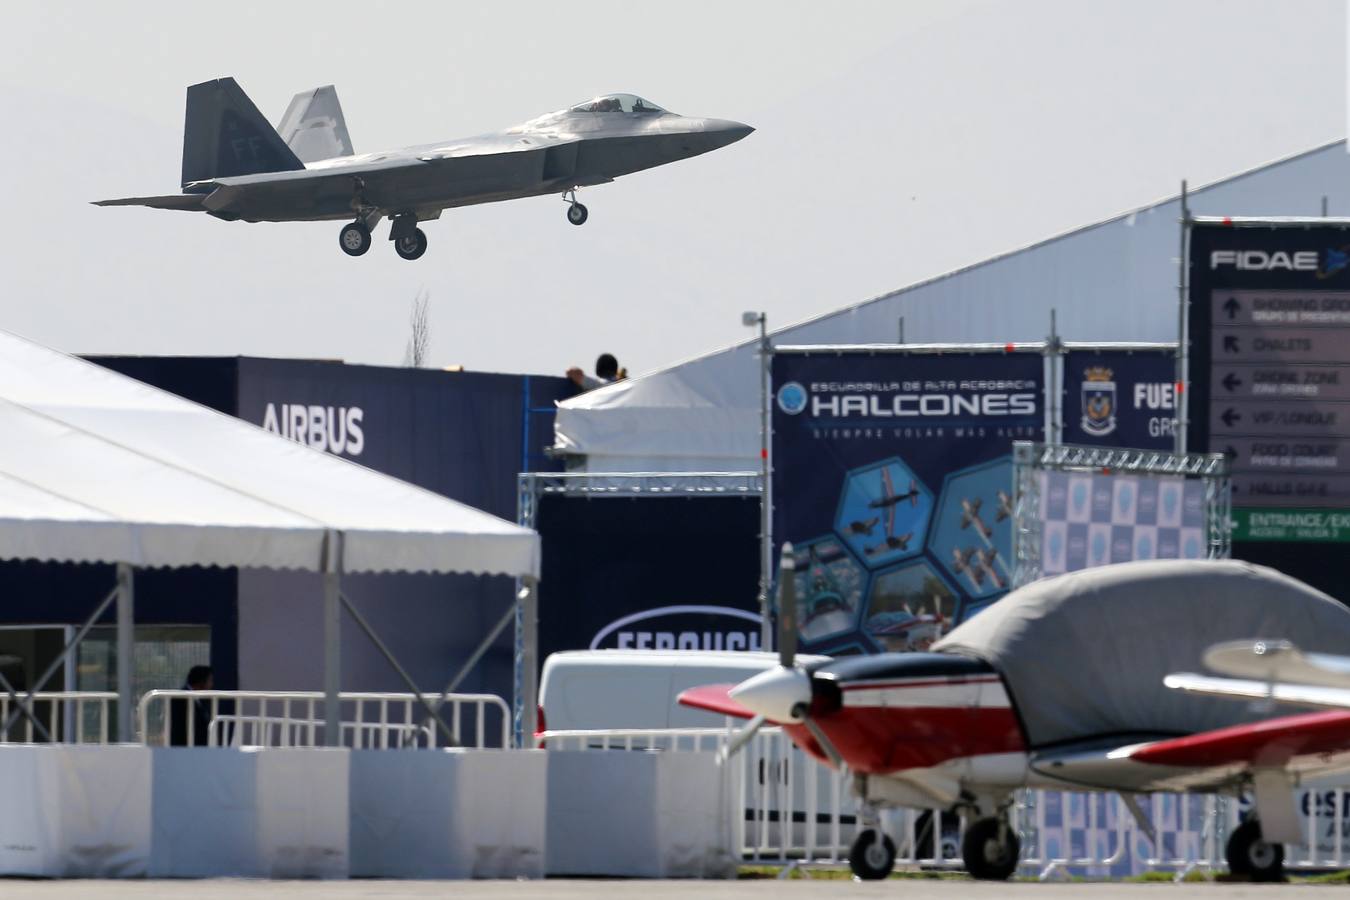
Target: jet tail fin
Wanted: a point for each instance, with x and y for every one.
(224, 134)
(313, 126)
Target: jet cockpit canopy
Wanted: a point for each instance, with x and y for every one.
(628, 103)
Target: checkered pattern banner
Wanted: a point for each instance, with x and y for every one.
(1091, 519)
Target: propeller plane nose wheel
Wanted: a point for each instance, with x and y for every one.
(576, 214)
(354, 238)
(872, 855)
(412, 245)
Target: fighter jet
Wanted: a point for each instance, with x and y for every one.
(237, 167)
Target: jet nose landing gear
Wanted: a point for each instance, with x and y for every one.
(576, 212)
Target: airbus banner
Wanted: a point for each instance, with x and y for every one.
(892, 478)
(1117, 398)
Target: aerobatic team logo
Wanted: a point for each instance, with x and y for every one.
(792, 398)
(1099, 401)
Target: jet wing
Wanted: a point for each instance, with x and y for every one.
(714, 698)
(472, 169)
(172, 201)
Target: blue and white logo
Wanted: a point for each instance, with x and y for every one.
(792, 398)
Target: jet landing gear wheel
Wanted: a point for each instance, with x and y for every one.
(872, 855)
(576, 214)
(1248, 854)
(990, 850)
(354, 239)
(411, 246)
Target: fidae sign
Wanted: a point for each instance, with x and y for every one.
(1269, 340)
(892, 480)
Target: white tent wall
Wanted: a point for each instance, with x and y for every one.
(1115, 280)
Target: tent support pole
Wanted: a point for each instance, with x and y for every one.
(431, 711)
(483, 646)
(529, 660)
(126, 649)
(332, 638)
(25, 709)
(61, 657)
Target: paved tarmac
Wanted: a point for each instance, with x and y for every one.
(908, 889)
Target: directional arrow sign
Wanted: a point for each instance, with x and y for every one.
(1232, 382)
(1230, 418)
(1232, 307)
(1230, 344)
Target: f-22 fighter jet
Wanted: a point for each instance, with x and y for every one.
(237, 167)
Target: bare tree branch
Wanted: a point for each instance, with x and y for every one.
(420, 342)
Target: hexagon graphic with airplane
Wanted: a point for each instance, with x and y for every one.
(883, 513)
(972, 534)
(908, 607)
(830, 586)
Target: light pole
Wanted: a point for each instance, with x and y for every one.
(750, 320)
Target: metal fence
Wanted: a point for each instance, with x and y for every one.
(67, 717)
(295, 719)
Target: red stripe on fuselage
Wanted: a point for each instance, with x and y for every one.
(916, 683)
(878, 740)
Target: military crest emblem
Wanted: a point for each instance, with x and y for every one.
(1099, 401)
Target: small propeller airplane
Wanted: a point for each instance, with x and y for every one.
(864, 528)
(988, 713)
(889, 498)
(970, 515)
(236, 166)
(1005, 507)
(891, 542)
(985, 560)
(961, 564)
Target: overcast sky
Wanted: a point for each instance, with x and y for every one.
(896, 140)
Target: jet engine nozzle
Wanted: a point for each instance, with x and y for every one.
(780, 694)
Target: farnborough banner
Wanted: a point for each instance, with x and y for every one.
(1120, 398)
(892, 478)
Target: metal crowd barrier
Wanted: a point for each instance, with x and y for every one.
(370, 720)
(790, 810)
(69, 717)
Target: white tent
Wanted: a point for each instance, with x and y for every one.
(1115, 280)
(96, 467)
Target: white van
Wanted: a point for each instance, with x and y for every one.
(637, 689)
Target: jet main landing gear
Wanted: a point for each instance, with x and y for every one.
(990, 849)
(354, 238)
(576, 212)
(409, 241)
(1249, 854)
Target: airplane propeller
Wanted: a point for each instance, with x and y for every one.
(783, 693)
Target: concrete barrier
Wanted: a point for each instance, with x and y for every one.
(643, 814)
(278, 813)
(448, 814)
(75, 812)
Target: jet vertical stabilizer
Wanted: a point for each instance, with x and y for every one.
(313, 126)
(224, 135)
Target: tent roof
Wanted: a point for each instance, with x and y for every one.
(98, 467)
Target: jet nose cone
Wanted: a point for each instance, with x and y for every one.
(780, 694)
(727, 131)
